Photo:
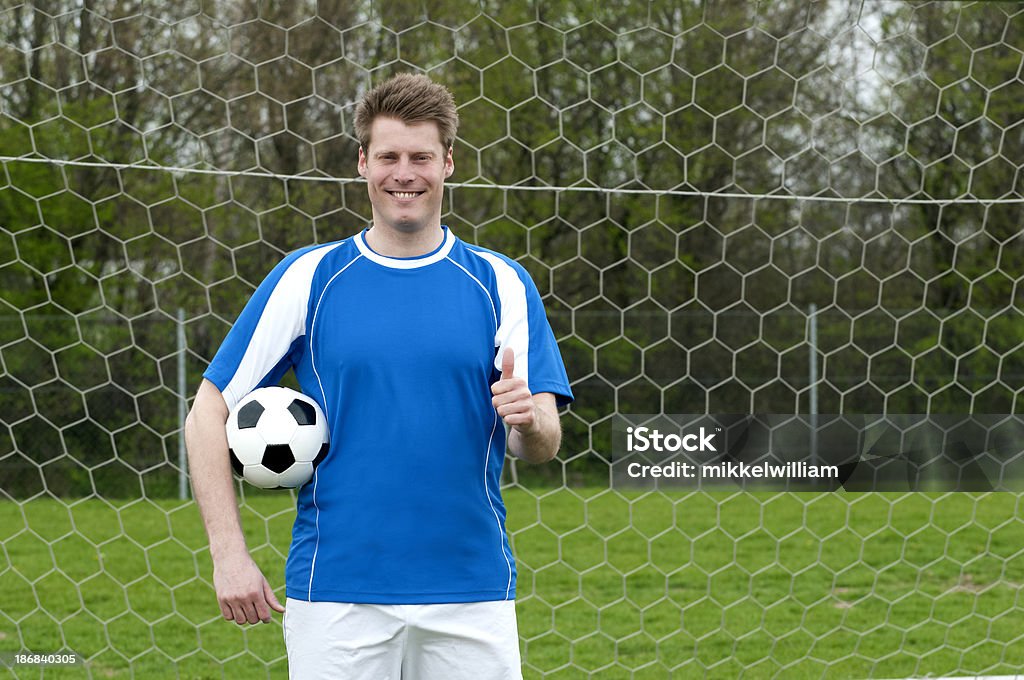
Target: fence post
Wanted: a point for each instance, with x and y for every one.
(812, 377)
(182, 402)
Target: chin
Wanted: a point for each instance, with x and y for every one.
(410, 225)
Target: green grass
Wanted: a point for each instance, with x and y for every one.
(701, 585)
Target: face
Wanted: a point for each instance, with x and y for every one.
(405, 167)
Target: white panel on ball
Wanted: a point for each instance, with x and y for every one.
(264, 478)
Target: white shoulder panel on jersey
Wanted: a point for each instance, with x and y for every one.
(514, 325)
(283, 319)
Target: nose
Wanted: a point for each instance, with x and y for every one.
(402, 171)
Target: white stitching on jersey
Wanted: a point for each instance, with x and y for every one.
(312, 361)
(487, 455)
(497, 520)
(494, 310)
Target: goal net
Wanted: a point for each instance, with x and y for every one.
(791, 207)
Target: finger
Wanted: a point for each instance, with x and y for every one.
(520, 411)
(242, 611)
(519, 414)
(272, 600)
(511, 390)
(251, 615)
(513, 386)
(508, 364)
(512, 394)
(262, 610)
(520, 419)
(501, 387)
(225, 610)
(514, 406)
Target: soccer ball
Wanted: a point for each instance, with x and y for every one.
(276, 437)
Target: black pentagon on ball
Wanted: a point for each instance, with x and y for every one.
(236, 464)
(303, 412)
(324, 448)
(278, 457)
(249, 415)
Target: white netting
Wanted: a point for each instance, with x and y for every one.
(685, 181)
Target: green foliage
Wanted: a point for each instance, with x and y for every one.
(659, 302)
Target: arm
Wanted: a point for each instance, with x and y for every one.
(242, 591)
(536, 432)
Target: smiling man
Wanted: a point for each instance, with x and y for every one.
(424, 352)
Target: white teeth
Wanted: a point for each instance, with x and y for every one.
(405, 194)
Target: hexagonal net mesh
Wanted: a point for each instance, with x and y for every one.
(689, 184)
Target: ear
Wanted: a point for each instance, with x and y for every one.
(449, 162)
(362, 163)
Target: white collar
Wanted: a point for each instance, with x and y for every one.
(436, 255)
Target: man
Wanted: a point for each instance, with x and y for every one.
(417, 346)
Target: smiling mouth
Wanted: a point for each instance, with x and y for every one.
(406, 195)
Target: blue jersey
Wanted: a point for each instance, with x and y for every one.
(401, 354)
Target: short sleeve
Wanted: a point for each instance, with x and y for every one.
(524, 326)
(258, 347)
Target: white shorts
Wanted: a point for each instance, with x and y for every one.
(342, 641)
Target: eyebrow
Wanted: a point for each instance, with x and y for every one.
(385, 152)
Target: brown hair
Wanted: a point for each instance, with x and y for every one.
(411, 99)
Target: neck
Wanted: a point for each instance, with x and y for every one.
(394, 243)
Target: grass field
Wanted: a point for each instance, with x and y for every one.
(694, 585)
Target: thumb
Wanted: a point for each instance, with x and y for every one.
(508, 364)
(272, 600)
